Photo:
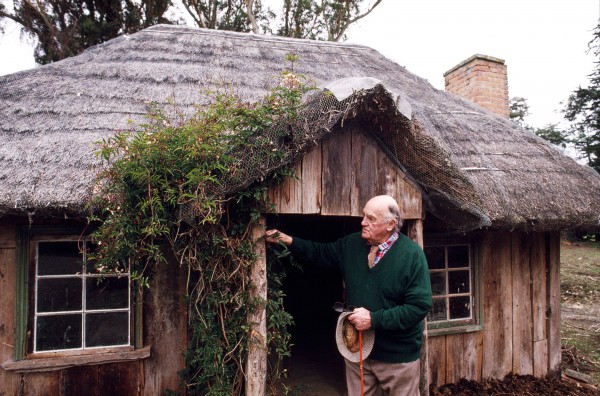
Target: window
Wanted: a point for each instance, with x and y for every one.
(452, 273)
(67, 313)
(75, 307)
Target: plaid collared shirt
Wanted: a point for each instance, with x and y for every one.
(384, 247)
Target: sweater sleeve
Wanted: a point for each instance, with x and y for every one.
(417, 300)
(321, 254)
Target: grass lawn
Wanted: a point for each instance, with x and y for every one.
(580, 307)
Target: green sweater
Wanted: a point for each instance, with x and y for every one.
(397, 291)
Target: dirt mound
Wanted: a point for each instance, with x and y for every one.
(514, 385)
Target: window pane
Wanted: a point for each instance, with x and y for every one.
(438, 283)
(435, 257)
(90, 262)
(438, 312)
(62, 294)
(106, 329)
(458, 282)
(58, 332)
(460, 307)
(458, 256)
(107, 292)
(59, 258)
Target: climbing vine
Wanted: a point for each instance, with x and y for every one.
(162, 197)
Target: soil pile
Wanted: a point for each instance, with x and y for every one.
(514, 385)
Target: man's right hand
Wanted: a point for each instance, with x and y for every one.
(276, 236)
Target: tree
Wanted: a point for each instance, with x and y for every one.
(324, 20)
(583, 111)
(236, 15)
(65, 28)
(312, 19)
(553, 134)
(519, 110)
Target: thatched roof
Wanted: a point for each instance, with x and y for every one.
(475, 168)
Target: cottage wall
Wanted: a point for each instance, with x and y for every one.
(341, 174)
(135, 373)
(520, 274)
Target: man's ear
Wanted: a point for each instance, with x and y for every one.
(391, 224)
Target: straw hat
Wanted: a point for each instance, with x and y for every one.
(346, 338)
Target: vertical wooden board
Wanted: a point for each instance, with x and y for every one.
(365, 171)
(463, 357)
(395, 183)
(311, 181)
(553, 296)
(538, 290)
(289, 199)
(119, 379)
(521, 303)
(256, 363)
(80, 380)
(415, 231)
(392, 181)
(165, 329)
(497, 305)
(337, 173)
(540, 358)
(9, 380)
(437, 360)
(7, 237)
(41, 384)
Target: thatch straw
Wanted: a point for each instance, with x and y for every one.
(466, 159)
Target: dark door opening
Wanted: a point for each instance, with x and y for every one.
(316, 367)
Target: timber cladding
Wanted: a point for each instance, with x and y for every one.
(151, 370)
(341, 174)
(521, 313)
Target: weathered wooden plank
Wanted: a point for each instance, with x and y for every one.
(497, 305)
(256, 364)
(521, 303)
(165, 318)
(311, 181)
(289, 198)
(7, 237)
(553, 290)
(540, 358)
(538, 290)
(415, 231)
(9, 381)
(395, 183)
(119, 379)
(437, 360)
(41, 384)
(337, 173)
(72, 381)
(365, 171)
(467, 346)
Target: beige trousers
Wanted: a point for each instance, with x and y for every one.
(381, 378)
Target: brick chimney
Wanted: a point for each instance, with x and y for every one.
(483, 80)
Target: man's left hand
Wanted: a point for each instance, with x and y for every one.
(361, 319)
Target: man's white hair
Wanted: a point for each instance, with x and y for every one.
(393, 210)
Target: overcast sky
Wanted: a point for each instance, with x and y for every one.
(543, 42)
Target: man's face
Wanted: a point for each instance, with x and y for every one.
(375, 228)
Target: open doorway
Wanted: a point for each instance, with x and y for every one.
(316, 367)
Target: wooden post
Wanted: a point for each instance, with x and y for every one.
(415, 232)
(256, 365)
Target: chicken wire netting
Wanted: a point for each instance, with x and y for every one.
(418, 155)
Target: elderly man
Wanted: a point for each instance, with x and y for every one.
(386, 276)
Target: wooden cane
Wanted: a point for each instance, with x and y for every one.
(362, 379)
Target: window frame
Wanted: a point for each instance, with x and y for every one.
(474, 323)
(24, 357)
